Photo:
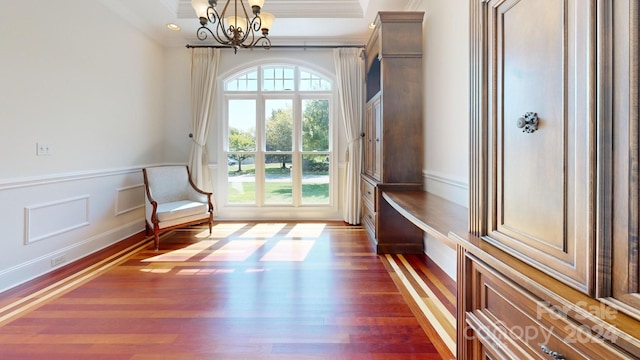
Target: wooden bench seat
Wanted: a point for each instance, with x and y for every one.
(432, 214)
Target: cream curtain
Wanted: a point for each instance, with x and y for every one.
(350, 75)
(204, 75)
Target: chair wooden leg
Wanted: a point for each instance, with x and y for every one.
(156, 237)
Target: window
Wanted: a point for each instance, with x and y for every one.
(278, 137)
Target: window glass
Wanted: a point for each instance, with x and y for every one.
(279, 125)
(315, 179)
(241, 184)
(245, 82)
(278, 188)
(278, 78)
(242, 125)
(315, 125)
(312, 82)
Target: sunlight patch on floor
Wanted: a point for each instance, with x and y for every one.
(204, 271)
(289, 250)
(183, 254)
(221, 231)
(156, 271)
(235, 250)
(264, 230)
(307, 230)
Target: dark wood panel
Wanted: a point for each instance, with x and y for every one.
(542, 186)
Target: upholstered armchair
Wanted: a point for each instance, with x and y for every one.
(172, 200)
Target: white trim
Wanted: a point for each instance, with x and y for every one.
(446, 180)
(447, 187)
(120, 191)
(30, 212)
(8, 184)
(31, 269)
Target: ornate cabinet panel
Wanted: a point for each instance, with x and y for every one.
(541, 130)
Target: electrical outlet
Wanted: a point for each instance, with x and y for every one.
(43, 149)
(58, 260)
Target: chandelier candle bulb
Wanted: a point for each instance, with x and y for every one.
(200, 6)
(267, 21)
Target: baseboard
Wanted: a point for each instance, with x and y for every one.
(29, 270)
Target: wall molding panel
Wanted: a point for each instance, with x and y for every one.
(46, 220)
(129, 198)
(447, 187)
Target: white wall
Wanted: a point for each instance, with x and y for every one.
(446, 109)
(79, 78)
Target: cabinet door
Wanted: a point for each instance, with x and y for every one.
(368, 138)
(377, 142)
(540, 189)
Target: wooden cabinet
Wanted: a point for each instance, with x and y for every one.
(393, 151)
(551, 261)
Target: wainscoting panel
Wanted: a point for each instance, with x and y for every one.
(446, 187)
(46, 220)
(53, 219)
(129, 198)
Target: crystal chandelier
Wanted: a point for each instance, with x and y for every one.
(233, 27)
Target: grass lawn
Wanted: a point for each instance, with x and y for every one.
(275, 192)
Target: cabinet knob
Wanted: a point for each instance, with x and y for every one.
(528, 122)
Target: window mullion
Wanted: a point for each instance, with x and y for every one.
(296, 158)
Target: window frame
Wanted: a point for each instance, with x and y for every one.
(297, 96)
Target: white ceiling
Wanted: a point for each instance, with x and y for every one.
(298, 22)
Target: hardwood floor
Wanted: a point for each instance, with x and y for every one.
(250, 291)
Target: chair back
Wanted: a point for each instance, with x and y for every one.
(168, 183)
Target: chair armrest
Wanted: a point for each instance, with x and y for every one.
(150, 205)
(197, 194)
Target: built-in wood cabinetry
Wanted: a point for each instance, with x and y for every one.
(393, 149)
(550, 266)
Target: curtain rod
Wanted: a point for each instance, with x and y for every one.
(189, 46)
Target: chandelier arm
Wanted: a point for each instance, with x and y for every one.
(214, 19)
(262, 41)
(212, 15)
(256, 23)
